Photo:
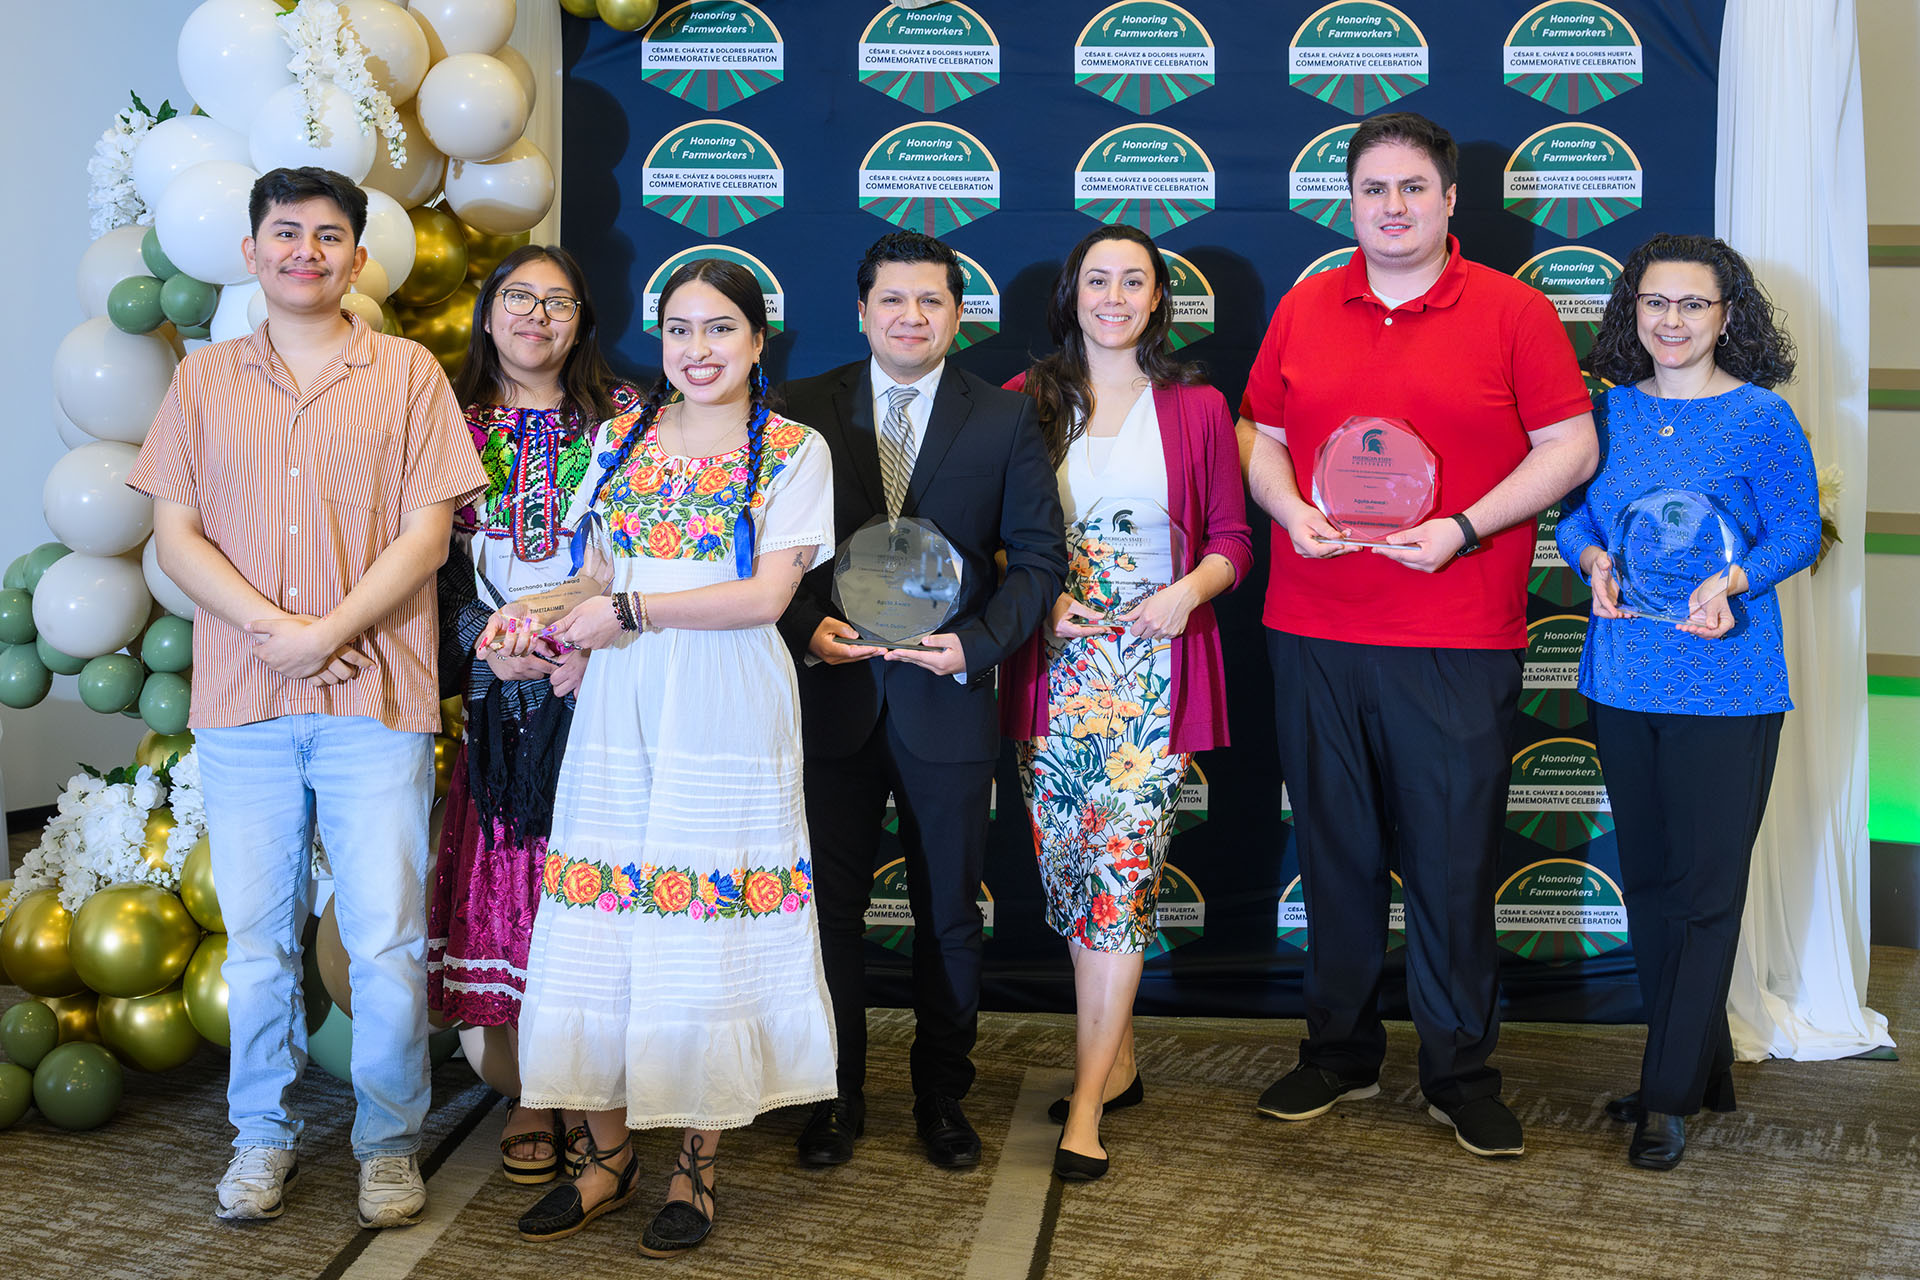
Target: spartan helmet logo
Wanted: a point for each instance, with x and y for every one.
(1373, 441)
(1674, 513)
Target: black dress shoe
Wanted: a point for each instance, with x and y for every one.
(1071, 1166)
(1627, 1108)
(830, 1131)
(951, 1142)
(1659, 1141)
(1131, 1096)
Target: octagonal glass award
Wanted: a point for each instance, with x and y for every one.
(1665, 544)
(1373, 477)
(1120, 551)
(897, 581)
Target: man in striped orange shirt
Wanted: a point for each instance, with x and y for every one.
(304, 481)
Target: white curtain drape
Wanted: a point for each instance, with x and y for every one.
(536, 35)
(1790, 194)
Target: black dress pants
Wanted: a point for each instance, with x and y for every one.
(943, 836)
(1398, 750)
(1688, 793)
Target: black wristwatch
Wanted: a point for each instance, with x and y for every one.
(1472, 542)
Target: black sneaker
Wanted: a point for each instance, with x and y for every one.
(1483, 1126)
(1308, 1091)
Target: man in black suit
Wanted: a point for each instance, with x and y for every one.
(914, 436)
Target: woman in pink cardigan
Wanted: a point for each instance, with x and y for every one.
(1123, 683)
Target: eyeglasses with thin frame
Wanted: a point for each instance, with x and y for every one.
(1654, 305)
(519, 302)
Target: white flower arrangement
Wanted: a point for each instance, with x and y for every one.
(1832, 480)
(325, 49)
(99, 828)
(110, 196)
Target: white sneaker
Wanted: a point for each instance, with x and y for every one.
(392, 1192)
(251, 1189)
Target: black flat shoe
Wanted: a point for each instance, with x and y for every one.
(1658, 1141)
(1131, 1096)
(680, 1225)
(561, 1212)
(1071, 1166)
(950, 1141)
(830, 1131)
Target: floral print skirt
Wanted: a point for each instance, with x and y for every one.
(1101, 787)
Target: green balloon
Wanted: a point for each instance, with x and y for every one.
(155, 257)
(40, 557)
(194, 331)
(78, 1085)
(187, 301)
(111, 682)
(167, 644)
(28, 1032)
(134, 305)
(24, 679)
(163, 702)
(16, 579)
(61, 664)
(331, 1047)
(16, 617)
(16, 1093)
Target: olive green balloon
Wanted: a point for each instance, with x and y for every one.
(16, 1093)
(167, 644)
(77, 1086)
(156, 258)
(187, 301)
(42, 556)
(24, 679)
(134, 305)
(163, 702)
(200, 331)
(111, 682)
(61, 664)
(28, 1032)
(16, 617)
(16, 579)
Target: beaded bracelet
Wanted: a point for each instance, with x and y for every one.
(623, 612)
(646, 623)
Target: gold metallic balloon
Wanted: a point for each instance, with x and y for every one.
(156, 748)
(439, 258)
(132, 940)
(35, 946)
(196, 888)
(628, 15)
(152, 1032)
(332, 957)
(444, 327)
(206, 989)
(445, 751)
(153, 845)
(453, 716)
(581, 8)
(484, 252)
(79, 1016)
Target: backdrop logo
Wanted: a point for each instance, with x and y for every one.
(1182, 912)
(1557, 584)
(1332, 260)
(1572, 178)
(713, 53)
(1553, 651)
(979, 305)
(1560, 909)
(1555, 794)
(1572, 55)
(1292, 925)
(1145, 175)
(889, 916)
(929, 177)
(1317, 183)
(1190, 295)
(1577, 281)
(929, 58)
(1546, 549)
(1357, 55)
(769, 286)
(713, 176)
(1144, 55)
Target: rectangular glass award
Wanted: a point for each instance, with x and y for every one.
(897, 581)
(1374, 477)
(549, 606)
(1665, 544)
(1121, 551)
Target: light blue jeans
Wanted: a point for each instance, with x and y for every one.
(370, 788)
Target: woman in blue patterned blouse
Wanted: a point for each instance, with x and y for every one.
(1687, 716)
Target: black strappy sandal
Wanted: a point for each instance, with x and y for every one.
(561, 1212)
(573, 1145)
(680, 1225)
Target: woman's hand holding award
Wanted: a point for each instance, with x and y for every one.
(1674, 552)
(1373, 477)
(897, 581)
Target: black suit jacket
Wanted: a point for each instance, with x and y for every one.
(982, 478)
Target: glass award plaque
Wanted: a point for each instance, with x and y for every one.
(1373, 477)
(1665, 544)
(1120, 552)
(896, 581)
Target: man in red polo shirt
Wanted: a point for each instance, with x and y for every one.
(1397, 668)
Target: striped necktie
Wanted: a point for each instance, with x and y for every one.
(896, 448)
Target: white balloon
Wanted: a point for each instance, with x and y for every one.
(471, 106)
(174, 146)
(464, 26)
(367, 309)
(165, 593)
(108, 261)
(491, 1058)
(503, 196)
(70, 435)
(202, 218)
(89, 605)
(231, 319)
(256, 309)
(372, 282)
(88, 505)
(389, 236)
(233, 57)
(522, 71)
(110, 382)
(397, 54)
(278, 138)
(425, 169)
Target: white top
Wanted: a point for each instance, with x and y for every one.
(1132, 464)
(919, 409)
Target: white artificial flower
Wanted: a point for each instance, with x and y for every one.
(111, 195)
(326, 49)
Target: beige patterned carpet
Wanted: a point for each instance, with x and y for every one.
(1817, 1176)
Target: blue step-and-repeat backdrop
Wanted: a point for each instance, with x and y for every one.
(790, 136)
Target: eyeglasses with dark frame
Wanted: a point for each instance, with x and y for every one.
(1655, 305)
(559, 307)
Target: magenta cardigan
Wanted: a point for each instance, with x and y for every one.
(1206, 500)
